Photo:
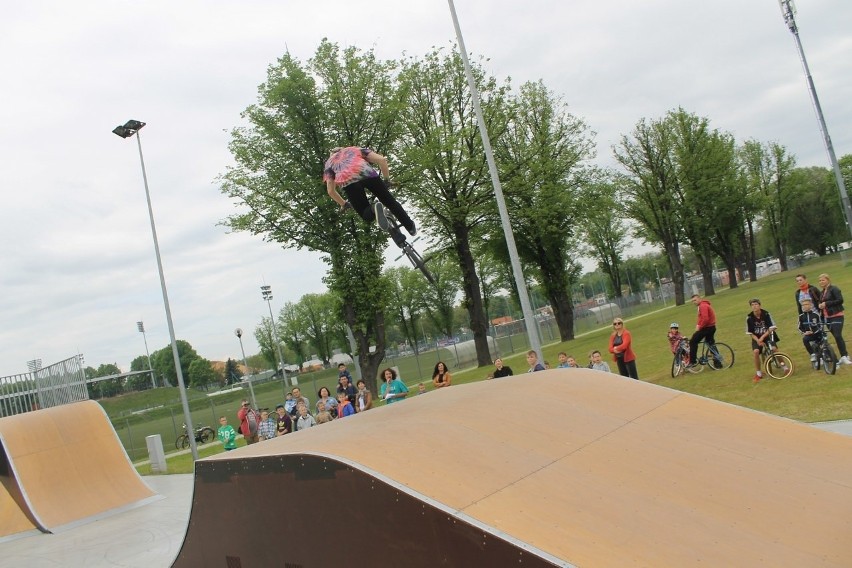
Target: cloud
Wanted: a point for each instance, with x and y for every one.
(79, 268)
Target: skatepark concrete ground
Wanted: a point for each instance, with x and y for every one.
(145, 537)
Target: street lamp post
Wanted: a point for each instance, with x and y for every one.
(127, 130)
(266, 292)
(239, 333)
(788, 12)
(141, 327)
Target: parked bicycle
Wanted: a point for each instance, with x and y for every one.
(776, 364)
(203, 434)
(681, 358)
(716, 355)
(823, 353)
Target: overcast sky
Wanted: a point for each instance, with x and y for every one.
(78, 263)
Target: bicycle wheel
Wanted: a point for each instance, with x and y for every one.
(182, 442)
(778, 366)
(720, 356)
(417, 261)
(677, 365)
(829, 359)
(207, 435)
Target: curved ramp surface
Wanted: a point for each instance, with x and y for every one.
(69, 467)
(562, 467)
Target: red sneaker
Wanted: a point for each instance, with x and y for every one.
(757, 378)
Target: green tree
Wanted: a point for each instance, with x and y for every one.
(164, 363)
(109, 387)
(292, 329)
(232, 373)
(651, 189)
(141, 381)
(320, 314)
(767, 169)
(407, 301)
(444, 171)
(339, 98)
(440, 298)
(817, 222)
(201, 373)
(604, 228)
(541, 154)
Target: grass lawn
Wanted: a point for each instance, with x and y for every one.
(808, 395)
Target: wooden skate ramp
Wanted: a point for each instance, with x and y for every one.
(562, 467)
(69, 467)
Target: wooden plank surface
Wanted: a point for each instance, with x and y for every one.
(70, 465)
(600, 470)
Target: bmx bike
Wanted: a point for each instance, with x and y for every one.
(680, 359)
(715, 355)
(389, 223)
(203, 434)
(825, 355)
(775, 364)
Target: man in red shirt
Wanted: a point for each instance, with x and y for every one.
(704, 329)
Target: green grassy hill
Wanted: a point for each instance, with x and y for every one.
(807, 395)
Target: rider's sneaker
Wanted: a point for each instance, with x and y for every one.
(757, 378)
(381, 218)
(813, 357)
(844, 360)
(412, 229)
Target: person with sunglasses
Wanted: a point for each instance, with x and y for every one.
(620, 345)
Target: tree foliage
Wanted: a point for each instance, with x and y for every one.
(541, 157)
(339, 98)
(444, 171)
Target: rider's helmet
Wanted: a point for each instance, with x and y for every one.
(674, 325)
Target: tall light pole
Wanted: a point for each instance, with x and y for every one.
(266, 292)
(127, 130)
(239, 333)
(523, 295)
(788, 11)
(141, 327)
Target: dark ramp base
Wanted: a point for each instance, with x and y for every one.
(305, 511)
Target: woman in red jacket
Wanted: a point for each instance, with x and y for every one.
(622, 351)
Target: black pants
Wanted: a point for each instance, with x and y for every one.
(835, 324)
(708, 333)
(627, 369)
(357, 195)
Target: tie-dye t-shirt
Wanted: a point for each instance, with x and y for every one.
(349, 165)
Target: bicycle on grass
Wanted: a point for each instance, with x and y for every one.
(203, 434)
(822, 352)
(715, 355)
(681, 358)
(776, 364)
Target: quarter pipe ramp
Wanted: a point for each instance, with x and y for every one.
(63, 466)
(556, 468)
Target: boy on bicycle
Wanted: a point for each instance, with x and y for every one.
(761, 328)
(810, 324)
(351, 168)
(678, 341)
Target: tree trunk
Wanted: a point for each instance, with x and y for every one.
(369, 362)
(676, 266)
(472, 295)
(705, 263)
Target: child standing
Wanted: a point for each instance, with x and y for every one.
(344, 407)
(226, 434)
(305, 420)
(678, 341)
(532, 361)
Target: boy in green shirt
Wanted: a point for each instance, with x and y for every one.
(227, 435)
